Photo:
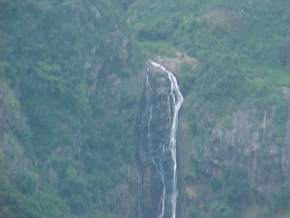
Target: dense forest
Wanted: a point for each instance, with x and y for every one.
(68, 105)
(71, 83)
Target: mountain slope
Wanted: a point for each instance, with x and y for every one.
(68, 108)
(233, 143)
(71, 74)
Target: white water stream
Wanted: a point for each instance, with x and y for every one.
(177, 100)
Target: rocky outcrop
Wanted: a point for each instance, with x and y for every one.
(174, 63)
(155, 158)
(244, 161)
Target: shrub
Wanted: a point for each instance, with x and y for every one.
(26, 183)
(221, 210)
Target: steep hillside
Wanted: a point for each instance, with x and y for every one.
(234, 137)
(71, 77)
(68, 100)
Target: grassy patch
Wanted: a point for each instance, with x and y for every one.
(157, 48)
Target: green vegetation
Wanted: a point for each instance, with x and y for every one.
(243, 50)
(69, 92)
(65, 135)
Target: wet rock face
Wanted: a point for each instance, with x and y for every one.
(155, 164)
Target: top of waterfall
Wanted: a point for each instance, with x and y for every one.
(159, 66)
(173, 63)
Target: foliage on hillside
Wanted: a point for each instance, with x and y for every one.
(69, 98)
(243, 48)
(68, 104)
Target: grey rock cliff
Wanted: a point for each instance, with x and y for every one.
(154, 158)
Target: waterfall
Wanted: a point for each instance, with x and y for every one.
(156, 153)
(177, 100)
(158, 166)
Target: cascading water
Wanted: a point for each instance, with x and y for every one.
(177, 101)
(157, 155)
